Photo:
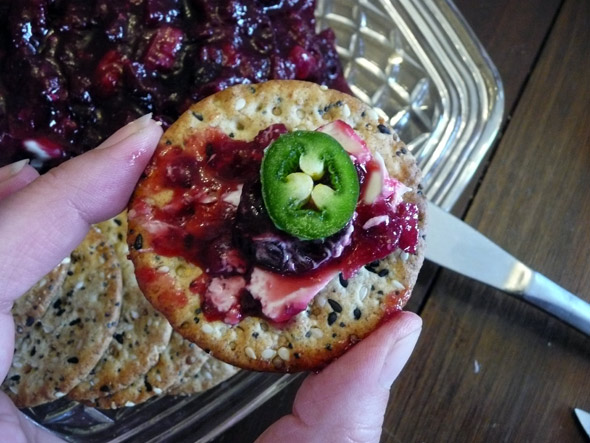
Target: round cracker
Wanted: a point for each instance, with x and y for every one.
(60, 349)
(201, 378)
(177, 358)
(141, 335)
(33, 304)
(343, 312)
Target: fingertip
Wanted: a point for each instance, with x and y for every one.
(18, 180)
(136, 126)
(400, 349)
(403, 322)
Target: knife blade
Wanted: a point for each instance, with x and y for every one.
(584, 419)
(455, 245)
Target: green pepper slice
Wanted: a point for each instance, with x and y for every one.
(310, 186)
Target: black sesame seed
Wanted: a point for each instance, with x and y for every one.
(255, 334)
(168, 142)
(332, 316)
(196, 319)
(374, 264)
(343, 282)
(357, 313)
(198, 311)
(73, 360)
(342, 324)
(15, 377)
(148, 386)
(329, 347)
(404, 150)
(119, 338)
(33, 351)
(371, 269)
(363, 114)
(297, 355)
(335, 305)
(252, 89)
(383, 272)
(117, 221)
(29, 321)
(138, 243)
(105, 388)
(231, 135)
(308, 334)
(198, 116)
(75, 322)
(383, 129)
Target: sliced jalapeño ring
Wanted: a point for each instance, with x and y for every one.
(310, 186)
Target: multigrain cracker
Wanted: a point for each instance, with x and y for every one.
(141, 335)
(177, 358)
(344, 311)
(32, 305)
(61, 348)
(201, 378)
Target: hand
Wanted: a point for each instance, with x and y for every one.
(346, 401)
(44, 218)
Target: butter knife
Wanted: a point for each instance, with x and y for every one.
(455, 245)
(584, 419)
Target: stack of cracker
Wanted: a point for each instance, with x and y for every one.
(85, 331)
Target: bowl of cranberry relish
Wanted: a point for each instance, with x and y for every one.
(72, 72)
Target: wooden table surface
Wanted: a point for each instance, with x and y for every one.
(488, 367)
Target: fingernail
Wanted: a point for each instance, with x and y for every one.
(141, 122)
(12, 169)
(397, 357)
(126, 131)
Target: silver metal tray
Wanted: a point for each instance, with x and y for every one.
(415, 61)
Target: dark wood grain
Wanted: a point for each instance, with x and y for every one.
(488, 367)
(512, 32)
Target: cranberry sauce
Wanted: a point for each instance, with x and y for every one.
(207, 178)
(216, 219)
(72, 72)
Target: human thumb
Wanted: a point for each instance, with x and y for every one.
(45, 220)
(347, 400)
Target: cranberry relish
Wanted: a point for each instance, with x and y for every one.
(74, 71)
(216, 220)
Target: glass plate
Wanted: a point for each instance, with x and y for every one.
(415, 61)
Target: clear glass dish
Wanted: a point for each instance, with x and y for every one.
(415, 61)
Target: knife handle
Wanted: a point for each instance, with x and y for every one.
(557, 301)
